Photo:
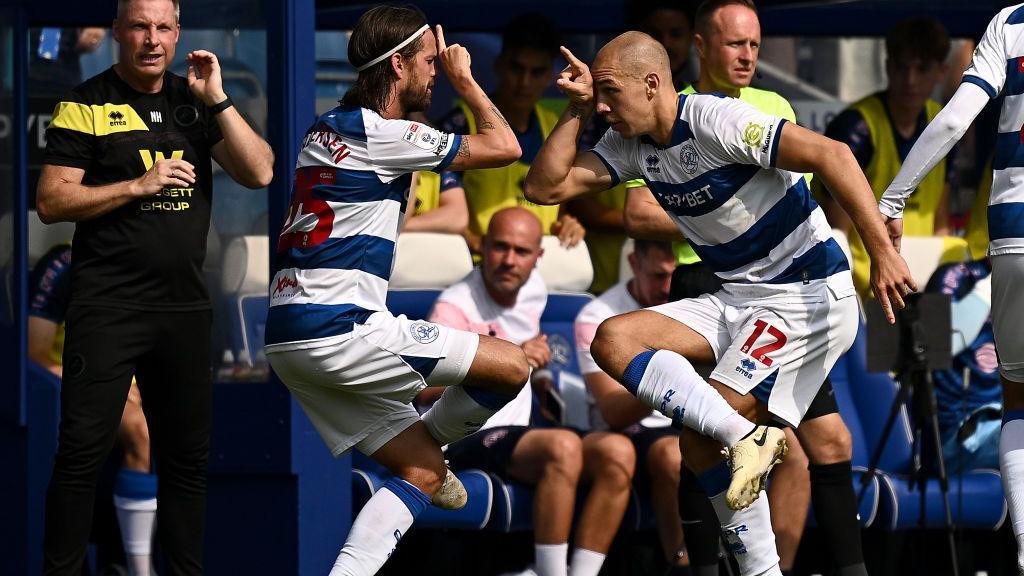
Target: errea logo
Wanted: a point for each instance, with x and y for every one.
(117, 119)
(652, 161)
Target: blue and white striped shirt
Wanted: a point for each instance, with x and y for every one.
(752, 223)
(998, 66)
(337, 246)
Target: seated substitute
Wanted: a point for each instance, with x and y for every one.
(135, 487)
(655, 440)
(968, 393)
(505, 297)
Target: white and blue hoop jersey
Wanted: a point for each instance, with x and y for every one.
(998, 66)
(337, 245)
(752, 223)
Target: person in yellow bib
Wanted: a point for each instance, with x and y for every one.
(728, 40)
(524, 70)
(882, 128)
(431, 210)
(670, 22)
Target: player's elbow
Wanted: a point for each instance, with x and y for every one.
(536, 190)
(508, 151)
(46, 206)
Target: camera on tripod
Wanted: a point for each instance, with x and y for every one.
(918, 343)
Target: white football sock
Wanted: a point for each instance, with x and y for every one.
(135, 505)
(1011, 466)
(378, 528)
(136, 517)
(668, 383)
(748, 533)
(462, 410)
(551, 559)
(585, 562)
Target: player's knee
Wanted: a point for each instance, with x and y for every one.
(615, 459)
(664, 461)
(828, 443)
(563, 454)
(607, 346)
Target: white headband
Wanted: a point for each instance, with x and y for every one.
(401, 45)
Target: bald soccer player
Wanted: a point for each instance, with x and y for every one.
(728, 39)
(731, 178)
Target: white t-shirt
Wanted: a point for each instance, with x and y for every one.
(466, 305)
(615, 301)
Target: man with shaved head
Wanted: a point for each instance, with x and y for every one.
(505, 297)
(731, 179)
(728, 39)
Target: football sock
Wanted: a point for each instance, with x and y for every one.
(700, 525)
(748, 533)
(462, 410)
(135, 504)
(835, 508)
(379, 527)
(668, 383)
(1011, 466)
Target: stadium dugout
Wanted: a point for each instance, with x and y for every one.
(278, 503)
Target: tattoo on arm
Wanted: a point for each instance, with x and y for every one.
(500, 117)
(485, 125)
(463, 148)
(577, 111)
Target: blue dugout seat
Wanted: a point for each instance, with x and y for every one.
(980, 491)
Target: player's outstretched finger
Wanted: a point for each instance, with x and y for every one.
(572, 59)
(441, 46)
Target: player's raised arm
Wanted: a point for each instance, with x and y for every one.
(559, 173)
(801, 150)
(494, 143)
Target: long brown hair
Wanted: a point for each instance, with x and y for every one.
(378, 30)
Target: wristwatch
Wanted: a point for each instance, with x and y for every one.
(221, 106)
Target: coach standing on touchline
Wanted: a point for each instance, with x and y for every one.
(128, 158)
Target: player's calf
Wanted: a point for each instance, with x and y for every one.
(498, 373)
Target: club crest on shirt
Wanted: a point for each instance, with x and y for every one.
(688, 157)
(424, 332)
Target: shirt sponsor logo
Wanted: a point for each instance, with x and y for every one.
(767, 138)
(691, 199)
(753, 134)
(688, 157)
(285, 282)
(117, 119)
(424, 332)
(652, 164)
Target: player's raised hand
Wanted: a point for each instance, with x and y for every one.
(575, 81)
(455, 60)
(891, 281)
(204, 77)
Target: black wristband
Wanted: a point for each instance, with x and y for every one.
(221, 106)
